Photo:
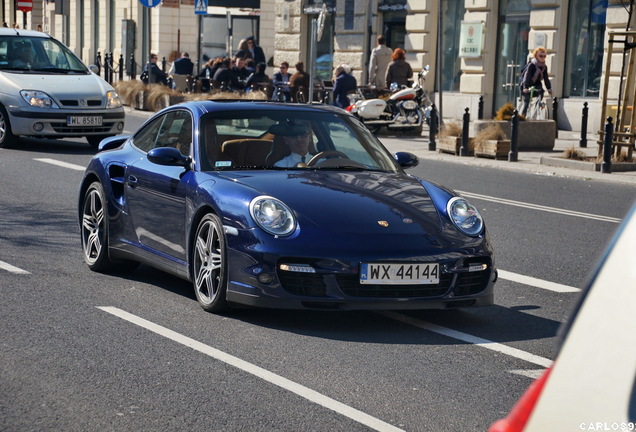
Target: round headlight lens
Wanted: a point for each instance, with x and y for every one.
(272, 215)
(465, 216)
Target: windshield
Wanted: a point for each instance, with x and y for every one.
(282, 140)
(36, 54)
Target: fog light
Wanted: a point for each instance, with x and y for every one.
(120, 127)
(299, 268)
(38, 127)
(265, 278)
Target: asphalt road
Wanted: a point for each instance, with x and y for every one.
(87, 351)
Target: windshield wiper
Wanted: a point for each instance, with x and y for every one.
(57, 70)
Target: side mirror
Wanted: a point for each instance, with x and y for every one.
(94, 69)
(168, 156)
(406, 160)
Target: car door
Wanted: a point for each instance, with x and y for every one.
(156, 194)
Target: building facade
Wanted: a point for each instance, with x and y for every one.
(476, 47)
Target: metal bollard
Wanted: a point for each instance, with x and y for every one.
(583, 140)
(106, 68)
(514, 132)
(463, 150)
(121, 67)
(480, 108)
(98, 63)
(132, 73)
(606, 165)
(432, 131)
(555, 115)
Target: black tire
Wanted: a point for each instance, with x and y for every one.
(7, 139)
(209, 265)
(94, 140)
(94, 229)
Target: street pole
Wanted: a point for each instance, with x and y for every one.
(438, 78)
(312, 58)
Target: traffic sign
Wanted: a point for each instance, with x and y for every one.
(150, 3)
(24, 5)
(200, 7)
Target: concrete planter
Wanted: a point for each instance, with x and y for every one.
(451, 144)
(497, 149)
(536, 135)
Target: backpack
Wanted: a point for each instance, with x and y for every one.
(523, 73)
(144, 76)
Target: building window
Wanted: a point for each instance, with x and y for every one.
(584, 58)
(454, 12)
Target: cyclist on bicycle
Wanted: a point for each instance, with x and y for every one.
(534, 74)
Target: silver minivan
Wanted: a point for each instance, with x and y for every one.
(46, 91)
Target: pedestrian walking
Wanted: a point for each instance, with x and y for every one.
(379, 62)
(399, 70)
(344, 83)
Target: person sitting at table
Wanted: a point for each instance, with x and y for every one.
(225, 76)
(258, 78)
(281, 80)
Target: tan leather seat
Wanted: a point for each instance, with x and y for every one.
(246, 152)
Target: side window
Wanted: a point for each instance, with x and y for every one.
(146, 139)
(176, 131)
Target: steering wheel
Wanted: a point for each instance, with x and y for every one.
(326, 155)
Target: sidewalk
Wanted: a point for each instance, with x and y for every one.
(528, 161)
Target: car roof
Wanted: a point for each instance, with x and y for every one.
(4, 31)
(248, 105)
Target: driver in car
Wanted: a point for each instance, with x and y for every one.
(299, 147)
(25, 57)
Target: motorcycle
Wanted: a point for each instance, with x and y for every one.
(405, 109)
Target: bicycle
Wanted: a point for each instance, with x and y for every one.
(536, 106)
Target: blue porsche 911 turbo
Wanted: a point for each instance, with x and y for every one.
(281, 206)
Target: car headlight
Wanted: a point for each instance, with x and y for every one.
(465, 216)
(272, 215)
(38, 99)
(409, 105)
(112, 99)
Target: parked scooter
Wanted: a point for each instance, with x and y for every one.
(404, 110)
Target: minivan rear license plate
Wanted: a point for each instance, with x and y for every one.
(399, 273)
(84, 121)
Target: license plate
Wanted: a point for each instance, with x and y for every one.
(84, 121)
(399, 273)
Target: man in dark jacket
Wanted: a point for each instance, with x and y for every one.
(155, 74)
(343, 84)
(182, 66)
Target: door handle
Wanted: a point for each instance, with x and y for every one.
(132, 181)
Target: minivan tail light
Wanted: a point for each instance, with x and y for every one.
(520, 413)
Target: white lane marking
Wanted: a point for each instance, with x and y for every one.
(538, 283)
(530, 373)
(540, 207)
(12, 269)
(465, 337)
(61, 164)
(250, 368)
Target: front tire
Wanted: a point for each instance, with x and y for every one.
(7, 139)
(209, 265)
(95, 229)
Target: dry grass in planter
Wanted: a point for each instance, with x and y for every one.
(492, 142)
